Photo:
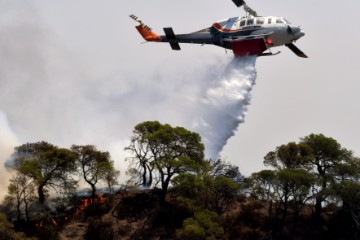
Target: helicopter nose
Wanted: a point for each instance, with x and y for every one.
(299, 34)
(295, 31)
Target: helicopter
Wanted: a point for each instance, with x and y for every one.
(248, 35)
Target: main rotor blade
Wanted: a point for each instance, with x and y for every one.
(297, 51)
(239, 3)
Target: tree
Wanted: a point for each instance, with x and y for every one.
(21, 193)
(143, 152)
(330, 164)
(48, 165)
(291, 155)
(219, 167)
(294, 185)
(111, 176)
(95, 166)
(262, 186)
(288, 160)
(282, 189)
(224, 191)
(204, 190)
(328, 159)
(350, 194)
(167, 149)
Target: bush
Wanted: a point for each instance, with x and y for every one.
(204, 225)
(133, 207)
(99, 230)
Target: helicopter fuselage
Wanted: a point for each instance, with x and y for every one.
(244, 35)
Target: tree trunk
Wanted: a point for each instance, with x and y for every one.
(270, 210)
(150, 176)
(110, 187)
(318, 208)
(18, 208)
(144, 178)
(26, 210)
(164, 188)
(284, 213)
(93, 190)
(41, 194)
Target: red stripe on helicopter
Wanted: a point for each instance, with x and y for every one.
(218, 27)
(222, 29)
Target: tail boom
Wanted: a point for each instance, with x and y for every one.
(145, 30)
(147, 34)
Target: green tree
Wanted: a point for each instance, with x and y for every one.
(291, 155)
(350, 194)
(294, 185)
(204, 190)
(143, 152)
(330, 165)
(219, 167)
(95, 166)
(169, 150)
(330, 162)
(289, 183)
(48, 165)
(262, 186)
(224, 191)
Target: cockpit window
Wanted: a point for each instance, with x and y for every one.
(242, 23)
(279, 20)
(287, 21)
(250, 22)
(260, 21)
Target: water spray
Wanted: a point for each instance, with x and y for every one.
(224, 103)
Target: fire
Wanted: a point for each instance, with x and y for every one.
(85, 202)
(39, 225)
(101, 198)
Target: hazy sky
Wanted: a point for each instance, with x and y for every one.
(75, 72)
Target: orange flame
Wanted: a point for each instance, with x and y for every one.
(101, 198)
(39, 225)
(84, 203)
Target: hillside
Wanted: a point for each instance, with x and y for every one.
(138, 215)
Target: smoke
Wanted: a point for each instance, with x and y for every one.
(223, 105)
(8, 140)
(53, 92)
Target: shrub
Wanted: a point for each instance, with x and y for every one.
(204, 225)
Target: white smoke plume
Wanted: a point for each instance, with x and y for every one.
(224, 103)
(8, 140)
(51, 92)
